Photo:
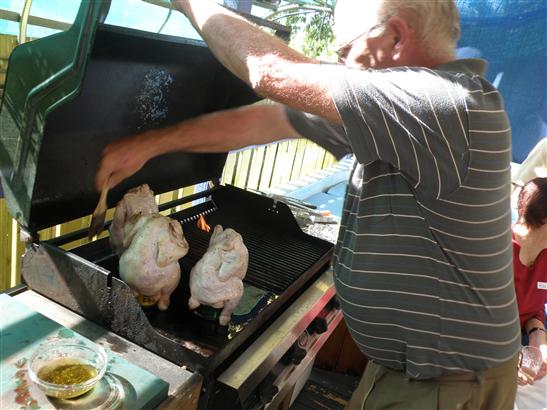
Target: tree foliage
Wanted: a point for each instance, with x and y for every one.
(311, 24)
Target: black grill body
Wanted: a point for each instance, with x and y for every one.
(282, 261)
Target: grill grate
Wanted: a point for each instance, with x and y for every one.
(282, 260)
(275, 259)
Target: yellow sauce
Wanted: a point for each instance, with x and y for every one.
(63, 371)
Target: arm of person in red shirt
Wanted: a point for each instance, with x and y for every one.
(538, 337)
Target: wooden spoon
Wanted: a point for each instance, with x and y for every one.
(97, 220)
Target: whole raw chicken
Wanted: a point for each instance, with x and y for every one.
(153, 245)
(216, 280)
(137, 201)
(149, 245)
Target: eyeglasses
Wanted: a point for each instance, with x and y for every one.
(344, 50)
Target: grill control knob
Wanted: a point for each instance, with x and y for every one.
(297, 354)
(294, 355)
(267, 393)
(319, 325)
(267, 389)
(334, 303)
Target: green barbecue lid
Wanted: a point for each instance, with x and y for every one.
(70, 94)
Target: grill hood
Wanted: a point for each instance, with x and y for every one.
(68, 95)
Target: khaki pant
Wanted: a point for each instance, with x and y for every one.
(382, 388)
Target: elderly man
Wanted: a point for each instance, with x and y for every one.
(423, 262)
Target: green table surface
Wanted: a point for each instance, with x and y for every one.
(22, 330)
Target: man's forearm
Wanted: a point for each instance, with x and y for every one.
(234, 41)
(218, 132)
(225, 130)
(273, 69)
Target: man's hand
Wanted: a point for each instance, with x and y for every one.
(123, 158)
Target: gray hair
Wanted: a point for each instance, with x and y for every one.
(437, 22)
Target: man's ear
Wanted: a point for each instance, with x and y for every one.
(400, 35)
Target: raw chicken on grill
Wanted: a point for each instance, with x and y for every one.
(149, 245)
(137, 201)
(216, 280)
(149, 265)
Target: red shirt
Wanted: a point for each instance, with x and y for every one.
(530, 286)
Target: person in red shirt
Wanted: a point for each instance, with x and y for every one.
(530, 266)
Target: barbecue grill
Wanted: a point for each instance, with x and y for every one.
(59, 111)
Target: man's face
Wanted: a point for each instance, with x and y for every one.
(362, 41)
(370, 50)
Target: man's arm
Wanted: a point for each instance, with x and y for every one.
(273, 69)
(217, 132)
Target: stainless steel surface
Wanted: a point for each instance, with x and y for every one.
(287, 379)
(251, 366)
(178, 378)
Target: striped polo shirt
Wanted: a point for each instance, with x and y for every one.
(423, 262)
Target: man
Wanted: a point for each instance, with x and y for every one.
(423, 262)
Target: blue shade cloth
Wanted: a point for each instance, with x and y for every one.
(512, 36)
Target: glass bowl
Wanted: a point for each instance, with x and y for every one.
(67, 368)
